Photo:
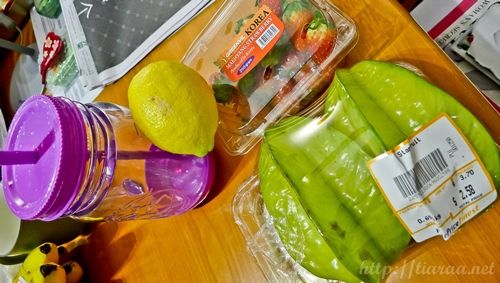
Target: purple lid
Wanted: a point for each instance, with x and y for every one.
(54, 127)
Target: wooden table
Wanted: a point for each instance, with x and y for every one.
(205, 244)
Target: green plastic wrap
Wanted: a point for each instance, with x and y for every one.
(306, 245)
(392, 97)
(328, 171)
(318, 194)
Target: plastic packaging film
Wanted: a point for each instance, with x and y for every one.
(268, 58)
(314, 210)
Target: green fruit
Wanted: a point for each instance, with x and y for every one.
(393, 98)
(328, 171)
(317, 168)
(345, 116)
(346, 88)
(304, 243)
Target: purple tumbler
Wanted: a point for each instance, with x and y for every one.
(63, 158)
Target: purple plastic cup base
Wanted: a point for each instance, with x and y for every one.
(184, 180)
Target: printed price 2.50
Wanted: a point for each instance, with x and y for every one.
(469, 191)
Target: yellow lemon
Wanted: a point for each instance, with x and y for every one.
(174, 107)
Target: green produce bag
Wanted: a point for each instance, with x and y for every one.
(326, 207)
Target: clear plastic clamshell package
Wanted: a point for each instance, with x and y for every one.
(265, 59)
(386, 161)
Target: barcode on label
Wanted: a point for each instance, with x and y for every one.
(411, 182)
(268, 35)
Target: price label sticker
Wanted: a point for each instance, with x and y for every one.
(434, 181)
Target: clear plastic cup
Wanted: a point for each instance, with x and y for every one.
(63, 158)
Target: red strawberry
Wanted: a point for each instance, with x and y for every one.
(274, 5)
(317, 39)
(296, 17)
(325, 45)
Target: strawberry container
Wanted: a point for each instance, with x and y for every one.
(268, 59)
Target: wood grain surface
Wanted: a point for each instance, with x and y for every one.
(205, 245)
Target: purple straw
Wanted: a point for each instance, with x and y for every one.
(18, 157)
(139, 155)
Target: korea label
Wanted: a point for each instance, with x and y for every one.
(256, 38)
(434, 181)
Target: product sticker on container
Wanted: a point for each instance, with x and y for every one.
(434, 181)
(257, 37)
